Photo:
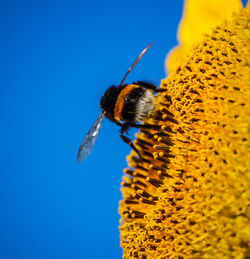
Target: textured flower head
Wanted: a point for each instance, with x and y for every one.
(189, 196)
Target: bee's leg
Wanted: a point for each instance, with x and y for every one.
(118, 123)
(114, 120)
(145, 126)
(124, 128)
(148, 85)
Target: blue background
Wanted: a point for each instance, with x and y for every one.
(56, 60)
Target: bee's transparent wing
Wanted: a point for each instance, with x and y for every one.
(90, 139)
(136, 61)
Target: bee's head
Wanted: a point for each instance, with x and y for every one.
(108, 101)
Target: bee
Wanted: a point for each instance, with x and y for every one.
(127, 105)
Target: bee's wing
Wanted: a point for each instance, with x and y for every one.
(136, 61)
(90, 139)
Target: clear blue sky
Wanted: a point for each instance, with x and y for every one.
(57, 58)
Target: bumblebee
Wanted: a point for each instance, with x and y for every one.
(127, 105)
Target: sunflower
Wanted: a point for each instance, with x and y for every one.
(188, 195)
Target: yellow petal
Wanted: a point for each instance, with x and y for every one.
(199, 17)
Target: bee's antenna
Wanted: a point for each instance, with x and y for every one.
(136, 61)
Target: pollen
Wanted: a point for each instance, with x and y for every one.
(188, 196)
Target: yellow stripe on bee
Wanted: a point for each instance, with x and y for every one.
(120, 100)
